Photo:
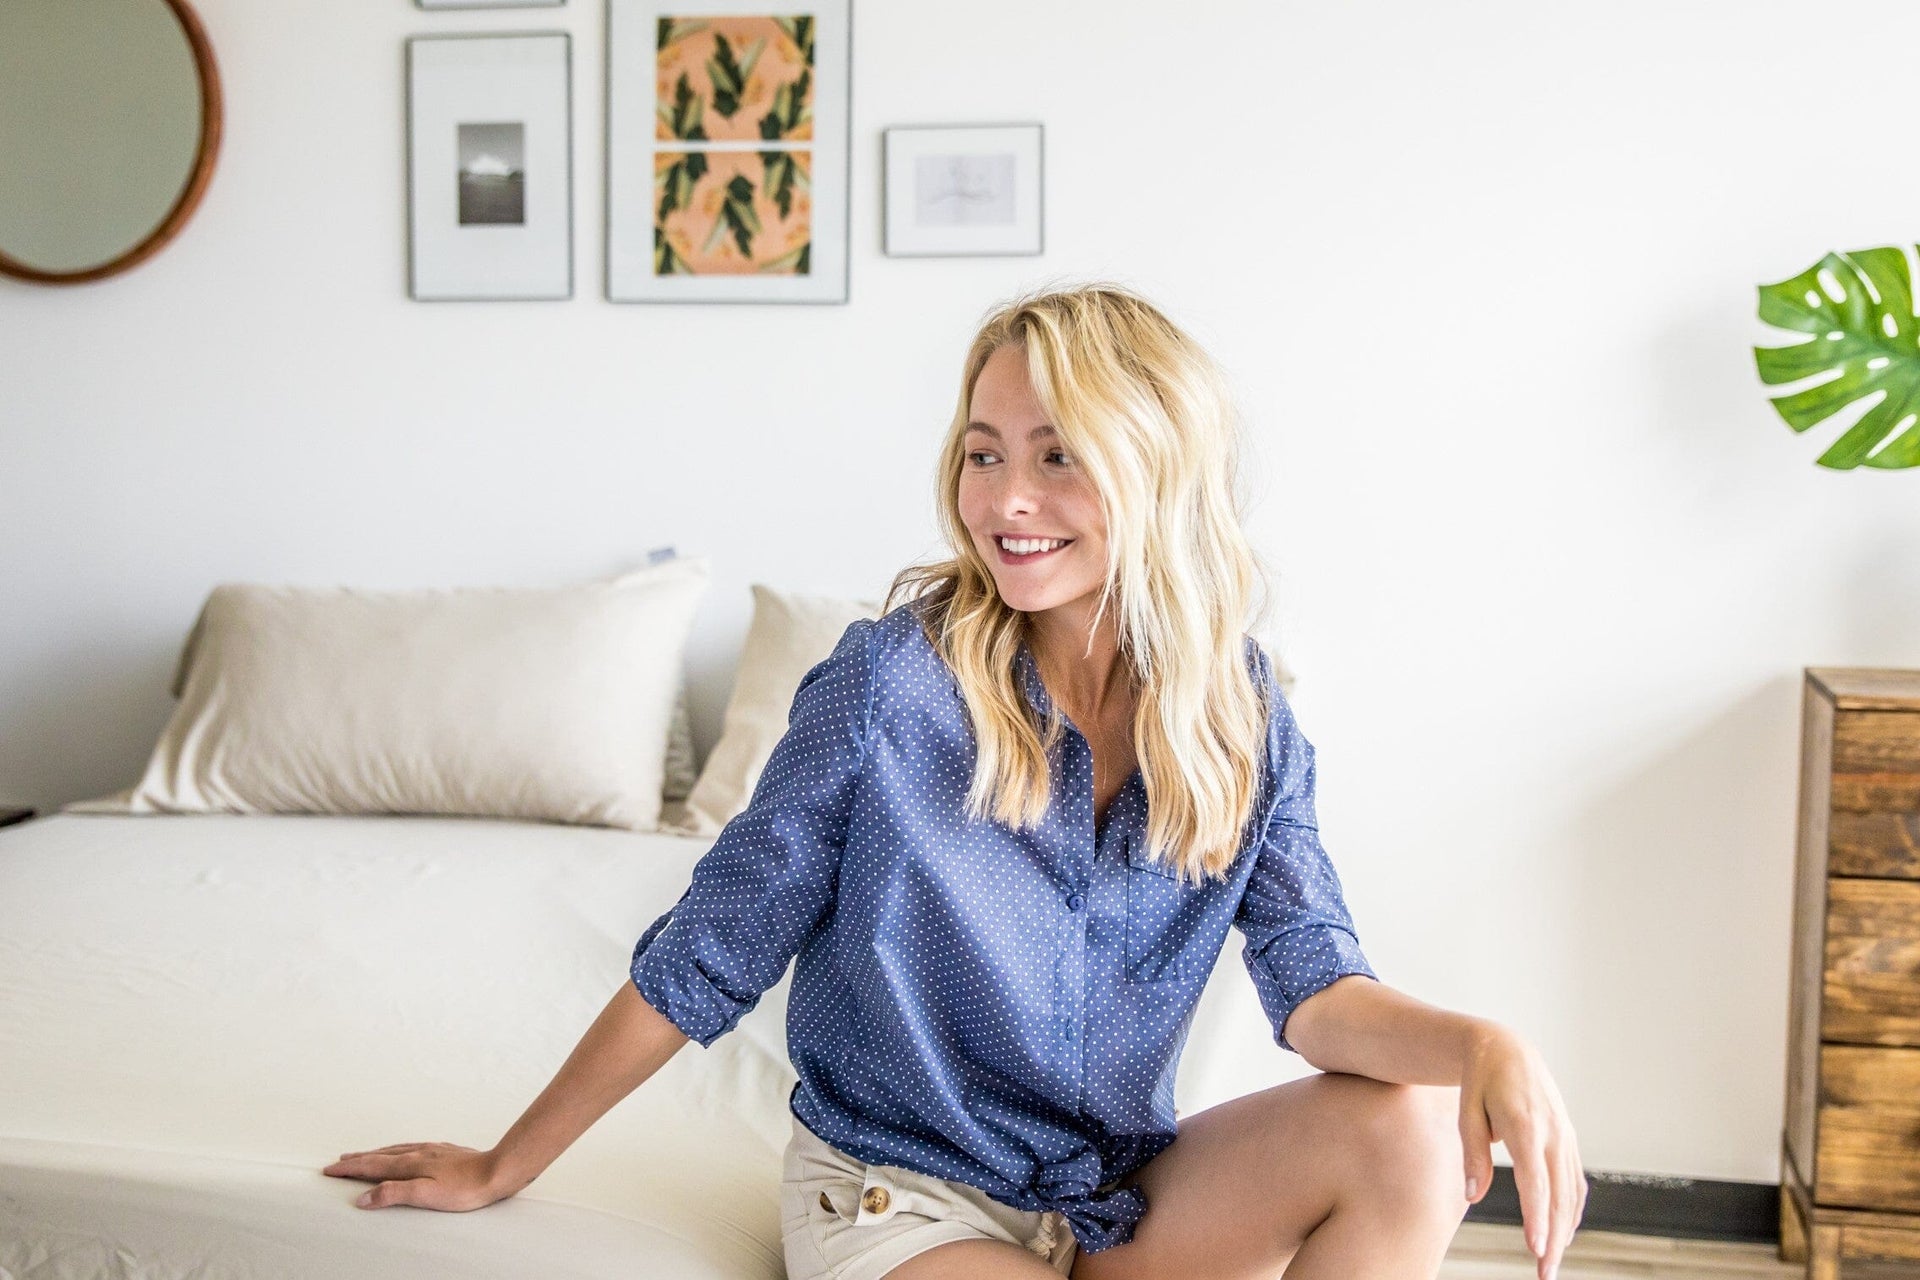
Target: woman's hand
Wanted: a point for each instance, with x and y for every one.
(1506, 1095)
(429, 1175)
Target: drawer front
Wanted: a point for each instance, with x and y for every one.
(1876, 761)
(1869, 1127)
(1871, 980)
(1884, 845)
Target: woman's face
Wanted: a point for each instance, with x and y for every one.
(1018, 483)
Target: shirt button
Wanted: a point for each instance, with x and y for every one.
(876, 1200)
(1075, 902)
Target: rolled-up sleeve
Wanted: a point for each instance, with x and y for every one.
(768, 881)
(1300, 938)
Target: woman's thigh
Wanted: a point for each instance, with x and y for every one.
(1247, 1181)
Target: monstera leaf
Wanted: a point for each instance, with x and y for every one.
(1858, 310)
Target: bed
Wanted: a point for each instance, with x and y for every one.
(199, 1012)
(276, 947)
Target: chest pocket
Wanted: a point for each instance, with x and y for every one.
(1165, 921)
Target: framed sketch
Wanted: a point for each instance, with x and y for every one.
(490, 166)
(488, 4)
(727, 151)
(963, 189)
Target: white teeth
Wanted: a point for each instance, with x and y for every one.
(1027, 546)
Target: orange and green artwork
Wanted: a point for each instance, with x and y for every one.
(734, 79)
(732, 213)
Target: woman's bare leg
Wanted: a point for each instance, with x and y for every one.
(975, 1260)
(1330, 1177)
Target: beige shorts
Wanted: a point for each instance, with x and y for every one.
(845, 1220)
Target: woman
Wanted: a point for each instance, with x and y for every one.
(1005, 835)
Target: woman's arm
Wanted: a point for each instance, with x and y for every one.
(1364, 1027)
(626, 1044)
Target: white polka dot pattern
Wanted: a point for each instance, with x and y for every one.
(1006, 1009)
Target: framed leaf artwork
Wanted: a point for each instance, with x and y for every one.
(727, 151)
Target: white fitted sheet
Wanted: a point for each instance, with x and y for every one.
(197, 1013)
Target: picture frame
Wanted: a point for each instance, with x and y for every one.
(964, 190)
(728, 147)
(490, 166)
(489, 4)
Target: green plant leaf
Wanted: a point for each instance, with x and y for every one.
(1857, 310)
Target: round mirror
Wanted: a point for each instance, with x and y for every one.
(109, 122)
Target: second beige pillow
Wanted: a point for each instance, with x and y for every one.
(788, 636)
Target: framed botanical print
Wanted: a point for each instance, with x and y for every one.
(490, 167)
(727, 151)
(964, 190)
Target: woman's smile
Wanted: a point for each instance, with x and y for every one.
(1028, 550)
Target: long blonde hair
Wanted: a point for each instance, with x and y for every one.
(1149, 417)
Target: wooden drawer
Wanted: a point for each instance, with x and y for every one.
(1869, 1127)
(1871, 984)
(1876, 761)
(1885, 845)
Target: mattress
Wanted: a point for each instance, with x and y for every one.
(198, 1013)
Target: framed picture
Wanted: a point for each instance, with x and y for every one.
(490, 166)
(727, 151)
(963, 189)
(488, 4)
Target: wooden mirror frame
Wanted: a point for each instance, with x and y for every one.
(189, 198)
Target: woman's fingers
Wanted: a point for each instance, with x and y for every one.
(403, 1191)
(1476, 1140)
(1534, 1182)
(378, 1164)
(432, 1175)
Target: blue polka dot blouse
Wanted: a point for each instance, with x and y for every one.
(1001, 1009)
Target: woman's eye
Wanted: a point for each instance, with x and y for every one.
(978, 453)
(1060, 454)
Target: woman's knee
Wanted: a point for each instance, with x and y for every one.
(1413, 1144)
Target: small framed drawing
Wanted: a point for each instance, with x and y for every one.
(488, 4)
(490, 167)
(727, 151)
(963, 189)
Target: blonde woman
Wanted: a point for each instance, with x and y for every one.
(1006, 835)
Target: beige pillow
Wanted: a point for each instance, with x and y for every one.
(533, 703)
(681, 769)
(788, 636)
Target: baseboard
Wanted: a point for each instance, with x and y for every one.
(1650, 1205)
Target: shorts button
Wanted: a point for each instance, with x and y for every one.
(826, 1203)
(876, 1200)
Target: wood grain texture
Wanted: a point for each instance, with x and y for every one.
(1876, 761)
(1871, 983)
(1869, 1127)
(1868, 688)
(1880, 845)
(1809, 927)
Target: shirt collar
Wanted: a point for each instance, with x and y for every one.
(1028, 670)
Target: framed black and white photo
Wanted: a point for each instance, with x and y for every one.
(727, 151)
(489, 4)
(955, 190)
(490, 167)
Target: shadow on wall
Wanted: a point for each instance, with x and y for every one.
(1678, 935)
(87, 718)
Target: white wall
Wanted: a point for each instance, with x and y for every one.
(1550, 567)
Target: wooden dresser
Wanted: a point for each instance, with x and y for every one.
(1850, 1167)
